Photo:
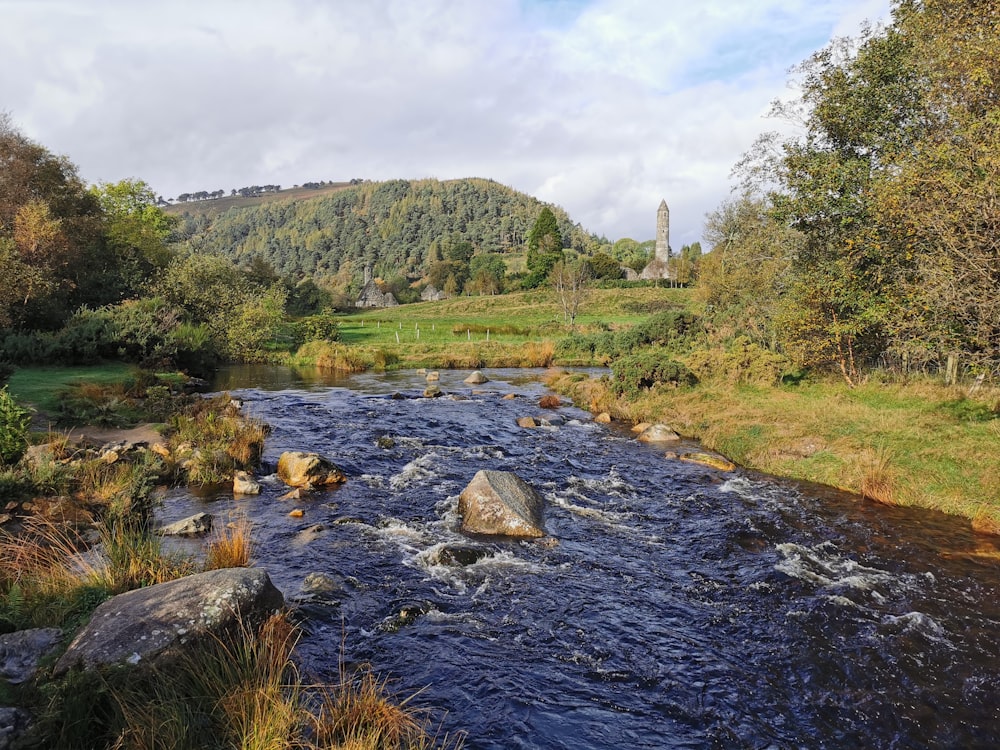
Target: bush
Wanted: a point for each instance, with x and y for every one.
(317, 328)
(14, 422)
(744, 362)
(647, 370)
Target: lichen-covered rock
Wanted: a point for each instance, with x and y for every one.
(658, 433)
(433, 391)
(501, 503)
(299, 469)
(158, 622)
(199, 523)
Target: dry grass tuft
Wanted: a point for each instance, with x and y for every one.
(360, 713)
(232, 546)
(877, 476)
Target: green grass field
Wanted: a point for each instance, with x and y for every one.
(40, 386)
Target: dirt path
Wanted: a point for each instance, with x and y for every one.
(143, 433)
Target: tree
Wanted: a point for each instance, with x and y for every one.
(743, 280)
(50, 233)
(603, 266)
(545, 248)
(684, 266)
(570, 279)
(136, 231)
(486, 274)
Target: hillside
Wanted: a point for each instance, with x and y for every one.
(397, 227)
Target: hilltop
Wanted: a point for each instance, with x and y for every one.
(398, 227)
(215, 206)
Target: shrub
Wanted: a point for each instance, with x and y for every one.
(743, 362)
(14, 421)
(647, 370)
(318, 328)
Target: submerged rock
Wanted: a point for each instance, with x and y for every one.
(199, 523)
(501, 503)
(299, 469)
(458, 555)
(709, 459)
(157, 622)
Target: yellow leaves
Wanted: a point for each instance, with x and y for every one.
(36, 233)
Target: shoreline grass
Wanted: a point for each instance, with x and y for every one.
(919, 444)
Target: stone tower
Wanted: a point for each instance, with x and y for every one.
(662, 252)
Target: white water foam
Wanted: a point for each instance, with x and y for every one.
(417, 470)
(824, 566)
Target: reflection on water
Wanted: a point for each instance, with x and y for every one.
(678, 607)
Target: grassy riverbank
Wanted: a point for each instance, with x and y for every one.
(919, 444)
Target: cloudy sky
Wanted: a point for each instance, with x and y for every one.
(600, 106)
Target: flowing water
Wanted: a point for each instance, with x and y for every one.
(677, 607)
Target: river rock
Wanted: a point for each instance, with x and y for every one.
(199, 523)
(658, 433)
(321, 583)
(527, 422)
(13, 723)
(641, 426)
(501, 503)
(433, 391)
(511, 396)
(310, 533)
(155, 623)
(21, 651)
(549, 402)
(298, 469)
(244, 484)
(457, 555)
(433, 377)
(709, 459)
(603, 418)
(476, 378)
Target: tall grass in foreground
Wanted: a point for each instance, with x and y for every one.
(247, 693)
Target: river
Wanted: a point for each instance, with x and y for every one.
(672, 605)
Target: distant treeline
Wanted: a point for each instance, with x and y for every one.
(249, 191)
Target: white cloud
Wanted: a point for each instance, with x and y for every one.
(602, 106)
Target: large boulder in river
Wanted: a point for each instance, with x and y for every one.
(299, 469)
(476, 378)
(501, 503)
(158, 622)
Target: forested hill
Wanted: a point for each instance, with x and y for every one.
(398, 227)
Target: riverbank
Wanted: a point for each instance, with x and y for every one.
(920, 444)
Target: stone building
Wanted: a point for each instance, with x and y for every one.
(659, 266)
